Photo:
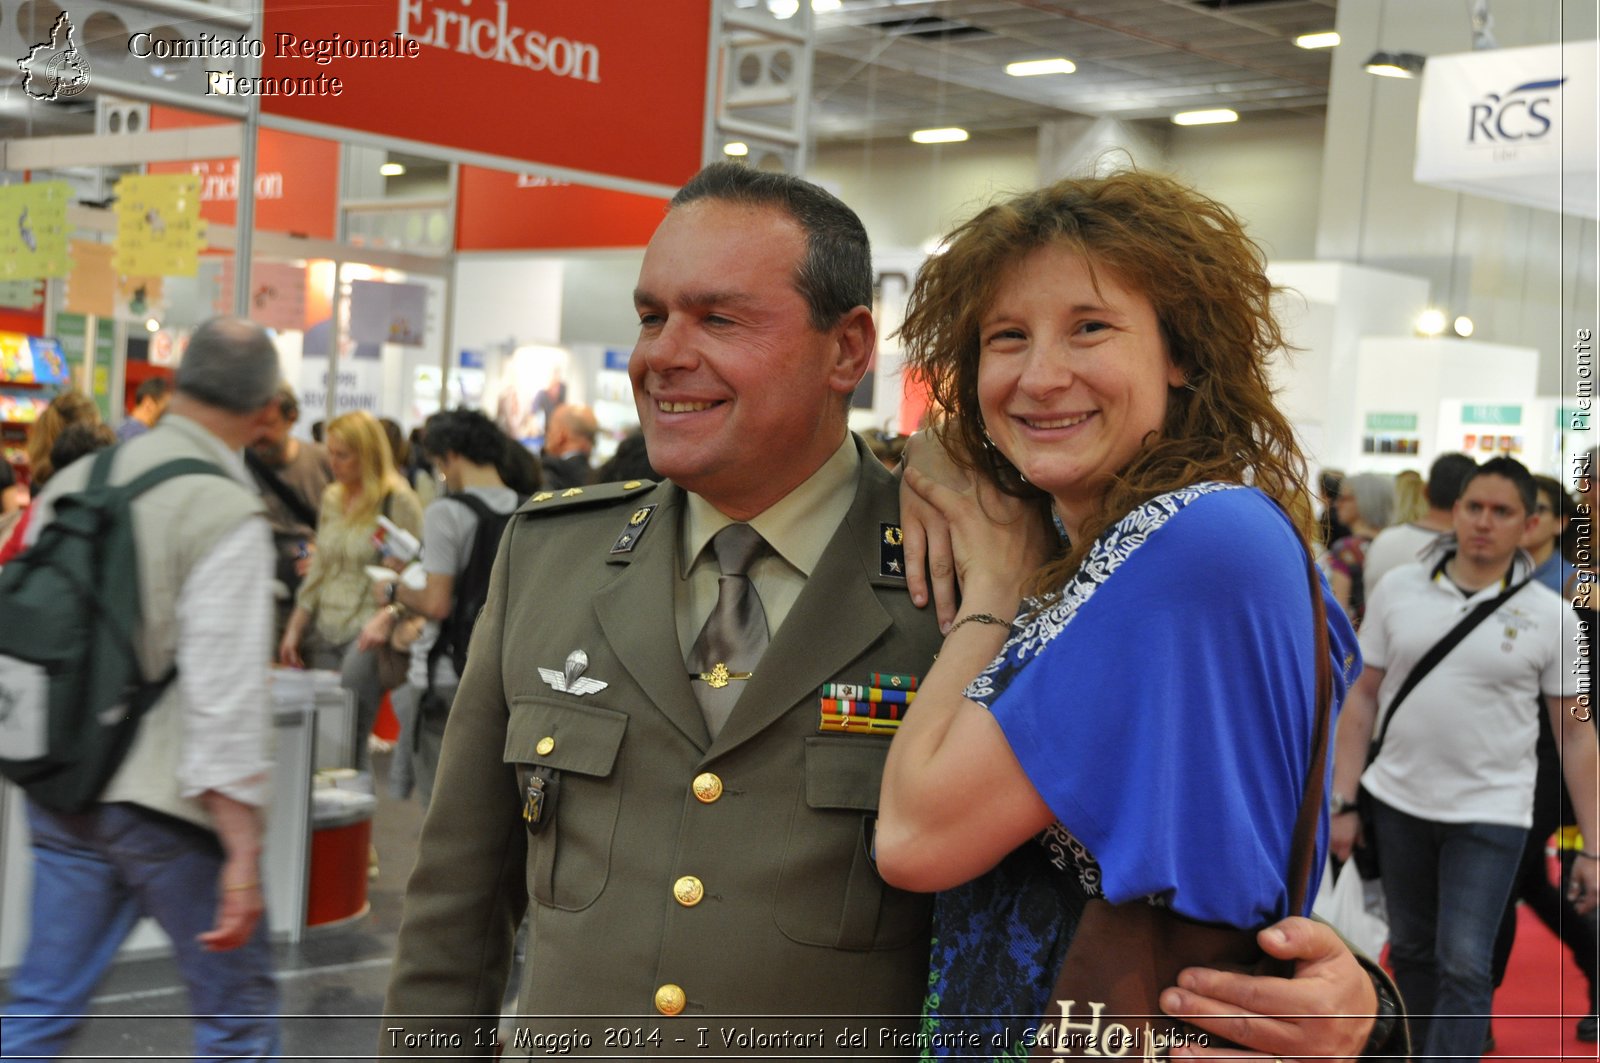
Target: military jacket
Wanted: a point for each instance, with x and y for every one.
(670, 873)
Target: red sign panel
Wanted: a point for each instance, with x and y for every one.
(297, 178)
(499, 211)
(613, 87)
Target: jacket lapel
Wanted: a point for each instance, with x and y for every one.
(835, 620)
(635, 611)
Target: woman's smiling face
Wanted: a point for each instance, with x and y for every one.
(1072, 376)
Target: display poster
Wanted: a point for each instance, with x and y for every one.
(614, 87)
(158, 224)
(33, 229)
(499, 211)
(25, 295)
(71, 332)
(383, 312)
(277, 294)
(92, 283)
(139, 298)
(296, 186)
(359, 386)
(1514, 124)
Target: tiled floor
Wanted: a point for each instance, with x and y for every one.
(331, 983)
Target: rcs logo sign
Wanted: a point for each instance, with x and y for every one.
(1521, 114)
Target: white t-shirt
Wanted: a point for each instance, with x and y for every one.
(1396, 545)
(1462, 748)
(448, 529)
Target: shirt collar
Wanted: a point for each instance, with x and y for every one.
(1445, 547)
(797, 526)
(232, 461)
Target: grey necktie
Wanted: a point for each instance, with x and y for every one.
(735, 634)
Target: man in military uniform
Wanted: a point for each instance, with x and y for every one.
(639, 753)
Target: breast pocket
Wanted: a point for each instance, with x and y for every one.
(829, 890)
(570, 858)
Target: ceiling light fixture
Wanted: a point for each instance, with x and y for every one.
(783, 9)
(736, 148)
(949, 135)
(1395, 64)
(1034, 67)
(152, 325)
(392, 169)
(1430, 322)
(1463, 326)
(1327, 39)
(821, 6)
(1215, 117)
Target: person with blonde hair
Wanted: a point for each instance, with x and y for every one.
(335, 598)
(1410, 497)
(1100, 348)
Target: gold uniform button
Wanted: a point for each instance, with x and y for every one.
(707, 787)
(546, 744)
(670, 999)
(688, 891)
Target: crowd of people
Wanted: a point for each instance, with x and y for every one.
(809, 737)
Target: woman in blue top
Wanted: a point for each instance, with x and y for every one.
(1123, 708)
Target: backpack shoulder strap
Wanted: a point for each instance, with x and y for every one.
(167, 470)
(476, 504)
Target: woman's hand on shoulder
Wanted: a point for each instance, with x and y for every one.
(963, 536)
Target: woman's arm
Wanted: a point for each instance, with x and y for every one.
(954, 799)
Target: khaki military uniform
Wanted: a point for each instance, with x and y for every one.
(676, 874)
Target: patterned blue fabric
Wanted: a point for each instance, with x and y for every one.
(1169, 730)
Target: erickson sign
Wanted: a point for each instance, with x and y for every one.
(609, 87)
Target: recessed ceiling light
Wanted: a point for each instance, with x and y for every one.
(736, 148)
(1430, 322)
(949, 135)
(1463, 326)
(1215, 117)
(1034, 67)
(783, 9)
(826, 5)
(1329, 39)
(391, 169)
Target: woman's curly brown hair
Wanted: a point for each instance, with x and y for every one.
(1186, 253)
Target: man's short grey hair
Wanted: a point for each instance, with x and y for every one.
(231, 364)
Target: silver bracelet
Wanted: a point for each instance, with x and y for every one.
(979, 618)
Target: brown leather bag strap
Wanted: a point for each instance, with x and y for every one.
(1303, 846)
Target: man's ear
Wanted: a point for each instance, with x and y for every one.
(855, 342)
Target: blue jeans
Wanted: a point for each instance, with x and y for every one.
(1446, 886)
(94, 875)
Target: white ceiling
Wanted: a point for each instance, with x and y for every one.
(885, 67)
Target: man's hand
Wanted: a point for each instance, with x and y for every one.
(239, 908)
(1344, 835)
(1583, 888)
(1325, 1012)
(930, 558)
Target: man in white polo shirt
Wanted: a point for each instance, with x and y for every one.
(1454, 779)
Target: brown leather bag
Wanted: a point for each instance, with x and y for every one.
(1123, 956)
